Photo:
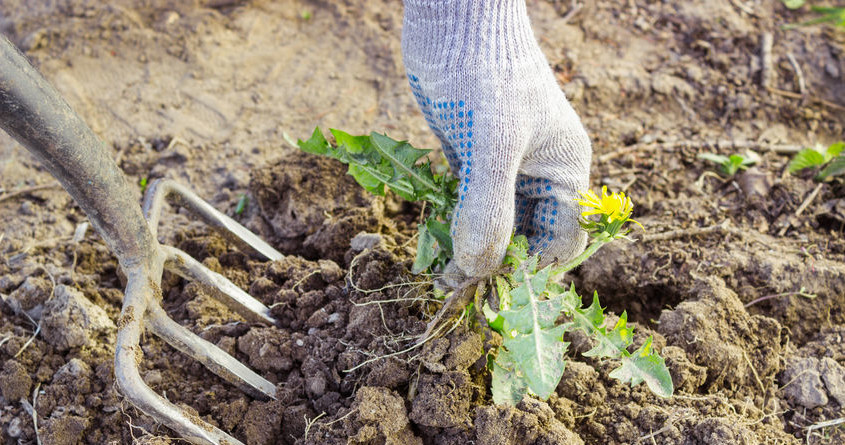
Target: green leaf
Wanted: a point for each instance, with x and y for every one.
(368, 177)
(379, 163)
(541, 356)
(494, 320)
(794, 4)
(807, 158)
(834, 149)
(503, 289)
(836, 167)
(316, 144)
(508, 385)
(352, 144)
(713, 157)
(588, 320)
(402, 157)
(834, 14)
(645, 366)
(534, 343)
(609, 344)
(830, 14)
(517, 251)
(242, 202)
(426, 250)
(642, 365)
(440, 232)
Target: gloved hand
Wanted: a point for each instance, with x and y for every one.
(510, 135)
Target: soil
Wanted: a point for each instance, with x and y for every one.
(741, 281)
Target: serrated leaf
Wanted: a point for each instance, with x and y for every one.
(836, 167)
(316, 144)
(517, 251)
(352, 144)
(533, 342)
(645, 366)
(368, 178)
(588, 320)
(807, 158)
(403, 157)
(611, 344)
(379, 163)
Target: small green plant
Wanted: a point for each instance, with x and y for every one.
(243, 200)
(531, 303)
(143, 184)
(829, 161)
(730, 165)
(835, 15)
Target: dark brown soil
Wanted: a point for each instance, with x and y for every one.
(741, 281)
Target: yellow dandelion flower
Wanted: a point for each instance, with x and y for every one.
(616, 206)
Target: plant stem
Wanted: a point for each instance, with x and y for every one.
(597, 244)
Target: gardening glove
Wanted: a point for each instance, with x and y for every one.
(507, 130)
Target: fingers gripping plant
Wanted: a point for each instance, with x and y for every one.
(534, 312)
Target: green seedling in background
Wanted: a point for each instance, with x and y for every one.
(730, 165)
(830, 161)
(143, 184)
(531, 359)
(243, 200)
(835, 15)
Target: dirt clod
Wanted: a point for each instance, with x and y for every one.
(384, 417)
(15, 382)
(71, 320)
(742, 292)
(530, 422)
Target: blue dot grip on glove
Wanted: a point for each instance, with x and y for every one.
(518, 148)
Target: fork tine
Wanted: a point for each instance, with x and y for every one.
(162, 189)
(33, 112)
(214, 358)
(218, 286)
(139, 291)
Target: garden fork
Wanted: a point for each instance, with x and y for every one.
(34, 113)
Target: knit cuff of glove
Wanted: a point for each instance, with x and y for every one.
(450, 33)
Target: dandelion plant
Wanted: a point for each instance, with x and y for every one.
(534, 311)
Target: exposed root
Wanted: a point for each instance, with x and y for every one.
(822, 425)
(433, 335)
(30, 409)
(310, 423)
(801, 292)
(32, 338)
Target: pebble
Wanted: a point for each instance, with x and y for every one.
(364, 240)
(14, 429)
(805, 387)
